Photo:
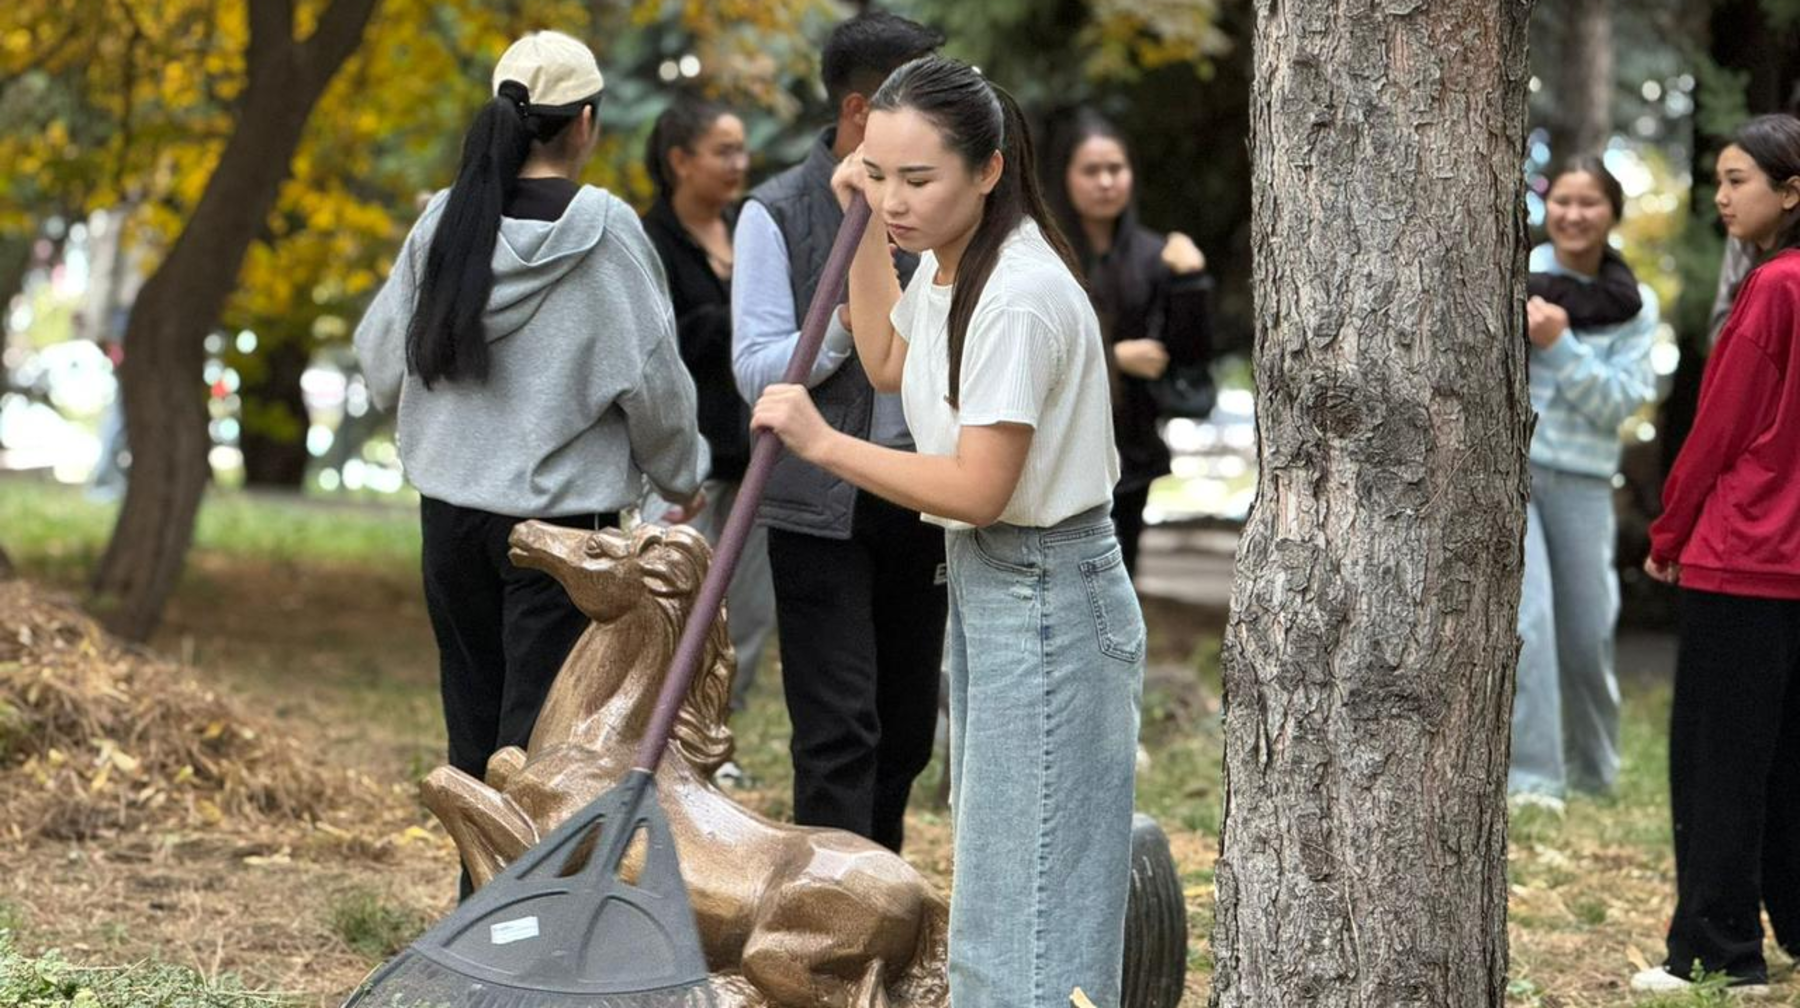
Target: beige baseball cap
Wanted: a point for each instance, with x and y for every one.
(556, 69)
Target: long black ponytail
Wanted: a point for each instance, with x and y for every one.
(446, 340)
(976, 118)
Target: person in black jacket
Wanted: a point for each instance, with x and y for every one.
(697, 159)
(1150, 292)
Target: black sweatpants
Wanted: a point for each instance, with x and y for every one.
(1734, 782)
(861, 623)
(502, 631)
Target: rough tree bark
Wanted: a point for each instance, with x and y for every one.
(1369, 655)
(1584, 80)
(165, 408)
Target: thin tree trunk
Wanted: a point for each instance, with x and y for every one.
(1584, 80)
(275, 420)
(15, 261)
(165, 409)
(7, 570)
(1740, 39)
(1369, 655)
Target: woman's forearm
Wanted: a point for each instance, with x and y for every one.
(874, 290)
(973, 486)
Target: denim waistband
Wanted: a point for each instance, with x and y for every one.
(1020, 542)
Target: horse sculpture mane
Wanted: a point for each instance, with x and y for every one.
(675, 561)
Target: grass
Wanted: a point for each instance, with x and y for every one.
(51, 981)
(312, 608)
(373, 926)
(55, 532)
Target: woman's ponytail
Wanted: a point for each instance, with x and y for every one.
(446, 339)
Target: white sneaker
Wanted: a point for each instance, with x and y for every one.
(1660, 981)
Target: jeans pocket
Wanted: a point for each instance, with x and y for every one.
(1118, 622)
(992, 558)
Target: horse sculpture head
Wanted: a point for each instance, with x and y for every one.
(647, 577)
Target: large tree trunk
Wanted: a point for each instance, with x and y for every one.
(1584, 80)
(1369, 655)
(165, 409)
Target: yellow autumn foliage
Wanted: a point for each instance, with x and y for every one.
(132, 101)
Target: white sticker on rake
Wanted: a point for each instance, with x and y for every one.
(507, 932)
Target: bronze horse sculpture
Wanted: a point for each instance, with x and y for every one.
(789, 916)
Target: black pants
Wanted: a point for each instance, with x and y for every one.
(861, 623)
(502, 631)
(1128, 522)
(1734, 782)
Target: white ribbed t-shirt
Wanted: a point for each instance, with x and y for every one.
(1032, 355)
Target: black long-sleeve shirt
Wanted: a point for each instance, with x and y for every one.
(703, 328)
(1137, 296)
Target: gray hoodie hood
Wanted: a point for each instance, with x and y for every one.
(532, 256)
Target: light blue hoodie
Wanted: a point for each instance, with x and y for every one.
(1588, 383)
(586, 392)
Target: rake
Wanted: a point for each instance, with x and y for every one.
(560, 927)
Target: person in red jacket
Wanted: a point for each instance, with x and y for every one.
(1729, 535)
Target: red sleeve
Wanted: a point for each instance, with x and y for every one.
(1737, 398)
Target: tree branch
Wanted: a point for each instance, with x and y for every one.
(271, 32)
(49, 57)
(339, 32)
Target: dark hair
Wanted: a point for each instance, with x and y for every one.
(446, 339)
(976, 118)
(1588, 164)
(1773, 142)
(686, 120)
(1066, 132)
(861, 52)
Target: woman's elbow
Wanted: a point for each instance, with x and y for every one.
(885, 383)
(982, 513)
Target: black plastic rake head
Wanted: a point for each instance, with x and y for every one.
(554, 932)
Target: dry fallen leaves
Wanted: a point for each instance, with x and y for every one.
(98, 737)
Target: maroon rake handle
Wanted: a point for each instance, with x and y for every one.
(830, 293)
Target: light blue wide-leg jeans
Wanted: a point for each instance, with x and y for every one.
(1565, 727)
(1046, 656)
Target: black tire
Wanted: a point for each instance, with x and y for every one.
(1155, 922)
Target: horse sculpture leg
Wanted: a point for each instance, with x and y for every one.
(489, 830)
(502, 765)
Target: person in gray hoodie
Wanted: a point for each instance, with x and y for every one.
(525, 337)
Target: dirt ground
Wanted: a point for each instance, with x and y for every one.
(337, 663)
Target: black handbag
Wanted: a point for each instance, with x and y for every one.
(1185, 392)
(1186, 389)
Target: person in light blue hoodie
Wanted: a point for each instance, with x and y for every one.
(1586, 381)
(526, 339)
